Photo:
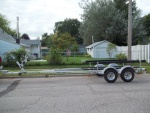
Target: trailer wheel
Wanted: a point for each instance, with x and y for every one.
(111, 75)
(127, 75)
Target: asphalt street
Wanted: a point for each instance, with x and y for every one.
(80, 94)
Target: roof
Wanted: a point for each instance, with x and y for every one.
(6, 37)
(96, 43)
(30, 42)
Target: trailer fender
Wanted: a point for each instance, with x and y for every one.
(102, 72)
(124, 68)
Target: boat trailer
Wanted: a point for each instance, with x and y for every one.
(110, 72)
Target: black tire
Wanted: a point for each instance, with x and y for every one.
(127, 75)
(111, 75)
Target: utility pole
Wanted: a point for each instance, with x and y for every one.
(18, 40)
(17, 27)
(129, 29)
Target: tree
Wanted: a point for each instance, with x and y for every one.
(122, 5)
(138, 28)
(64, 42)
(45, 39)
(146, 23)
(25, 36)
(104, 21)
(111, 48)
(71, 26)
(54, 56)
(4, 24)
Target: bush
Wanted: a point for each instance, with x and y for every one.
(121, 56)
(10, 58)
(54, 56)
(111, 48)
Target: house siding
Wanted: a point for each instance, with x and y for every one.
(98, 50)
(35, 50)
(7, 47)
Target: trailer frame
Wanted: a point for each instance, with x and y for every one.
(109, 72)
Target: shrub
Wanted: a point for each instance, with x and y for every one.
(111, 48)
(10, 58)
(54, 56)
(121, 56)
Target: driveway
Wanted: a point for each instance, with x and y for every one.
(81, 94)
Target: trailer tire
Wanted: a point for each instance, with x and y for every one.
(110, 75)
(127, 75)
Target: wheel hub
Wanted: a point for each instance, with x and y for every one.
(111, 76)
(128, 75)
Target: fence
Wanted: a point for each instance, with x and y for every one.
(138, 52)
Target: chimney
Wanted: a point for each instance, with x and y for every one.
(18, 41)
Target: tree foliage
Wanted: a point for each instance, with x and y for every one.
(122, 5)
(13, 56)
(63, 42)
(71, 26)
(46, 40)
(5, 25)
(106, 20)
(54, 57)
(25, 36)
(111, 48)
(121, 56)
(146, 22)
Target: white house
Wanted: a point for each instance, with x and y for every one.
(34, 47)
(98, 49)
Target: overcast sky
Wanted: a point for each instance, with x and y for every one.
(37, 17)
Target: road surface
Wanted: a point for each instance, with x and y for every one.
(81, 94)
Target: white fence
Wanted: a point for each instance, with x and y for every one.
(138, 52)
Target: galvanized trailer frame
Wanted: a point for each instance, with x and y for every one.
(112, 71)
(109, 72)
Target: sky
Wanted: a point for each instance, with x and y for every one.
(37, 17)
